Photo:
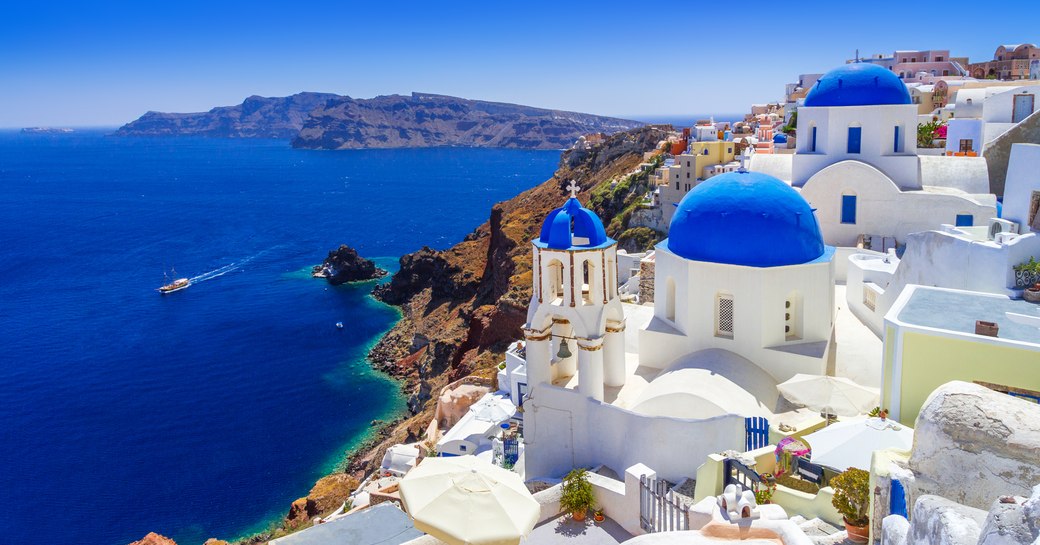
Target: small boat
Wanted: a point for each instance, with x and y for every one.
(176, 285)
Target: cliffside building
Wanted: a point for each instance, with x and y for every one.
(857, 164)
(1010, 62)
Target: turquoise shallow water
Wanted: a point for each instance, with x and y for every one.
(205, 412)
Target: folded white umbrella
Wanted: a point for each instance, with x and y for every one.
(851, 443)
(462, 500)
(493, 409)
(836, 395)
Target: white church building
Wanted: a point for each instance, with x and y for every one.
(748, 287)
(858, 166)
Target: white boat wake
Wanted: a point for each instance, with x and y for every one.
(216, 273)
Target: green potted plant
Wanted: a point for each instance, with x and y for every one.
(597, 514)
(576, 494)
(852, 500)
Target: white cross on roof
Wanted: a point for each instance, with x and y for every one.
(573, 188)
(744, 158)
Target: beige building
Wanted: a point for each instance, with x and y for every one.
(699, 163)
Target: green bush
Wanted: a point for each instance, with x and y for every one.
(852, 495)
(576, 493)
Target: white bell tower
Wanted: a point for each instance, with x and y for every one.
(575, 322)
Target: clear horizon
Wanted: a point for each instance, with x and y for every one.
(74, 65)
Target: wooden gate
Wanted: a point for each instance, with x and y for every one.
(660, 511)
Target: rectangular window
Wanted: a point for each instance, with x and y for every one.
(677, 186)
(848, 209)
(724, 315)
(946, 72)
(966, 145)
(812, 143)
(687, 175)
(939, 58)
(965, 220)
(687, 164)
(895, 143)
(855, 135)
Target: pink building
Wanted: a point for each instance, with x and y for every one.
(911, 65)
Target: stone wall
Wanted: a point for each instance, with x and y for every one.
(646, 281)
(998, 152)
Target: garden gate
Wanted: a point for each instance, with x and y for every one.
(756, 432)
(660, 511)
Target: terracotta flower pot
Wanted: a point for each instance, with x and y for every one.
(857, 534)
(598, 517)
(579, 516)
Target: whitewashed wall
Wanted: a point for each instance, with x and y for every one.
(564, 429)
(877, 141)
(759, 295)
(882, 208)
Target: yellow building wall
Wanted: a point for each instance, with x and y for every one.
(719, 153)
(930, 361)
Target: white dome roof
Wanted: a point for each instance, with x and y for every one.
(707, 384)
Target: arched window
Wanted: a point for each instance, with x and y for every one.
(555, 281)
(588, 282)
(611, 278)
(669, 299)
(812, 138)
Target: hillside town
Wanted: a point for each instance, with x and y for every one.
(836, 339)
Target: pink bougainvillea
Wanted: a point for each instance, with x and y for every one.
(940, 131)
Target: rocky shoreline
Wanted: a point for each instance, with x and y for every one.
(461, 307)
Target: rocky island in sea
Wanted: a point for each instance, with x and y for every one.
(345, 265)
(419, 120)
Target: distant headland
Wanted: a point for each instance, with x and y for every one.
(327, 121)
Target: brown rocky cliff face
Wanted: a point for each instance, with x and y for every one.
(155, 539)
(327, 495)
(462, 306)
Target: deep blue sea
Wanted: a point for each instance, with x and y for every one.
(205, 412)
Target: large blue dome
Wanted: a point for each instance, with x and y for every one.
(858, 84)
(745, 218)
(572, 221)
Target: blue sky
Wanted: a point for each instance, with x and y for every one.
(106, 63)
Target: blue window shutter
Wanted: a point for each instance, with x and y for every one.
(813, 145)
(895, 144)
(848, 209)
(855, 133)
(965, 220)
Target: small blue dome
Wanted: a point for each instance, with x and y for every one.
(745, 218)
(570, 221)
(858, 84)
(779, 138)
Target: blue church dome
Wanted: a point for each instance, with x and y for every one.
(779, 138)
(858, 84)
(571, 221)
(745, 218)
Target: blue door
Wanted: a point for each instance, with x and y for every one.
(855, 135)
(897, 501)
(965, 220)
